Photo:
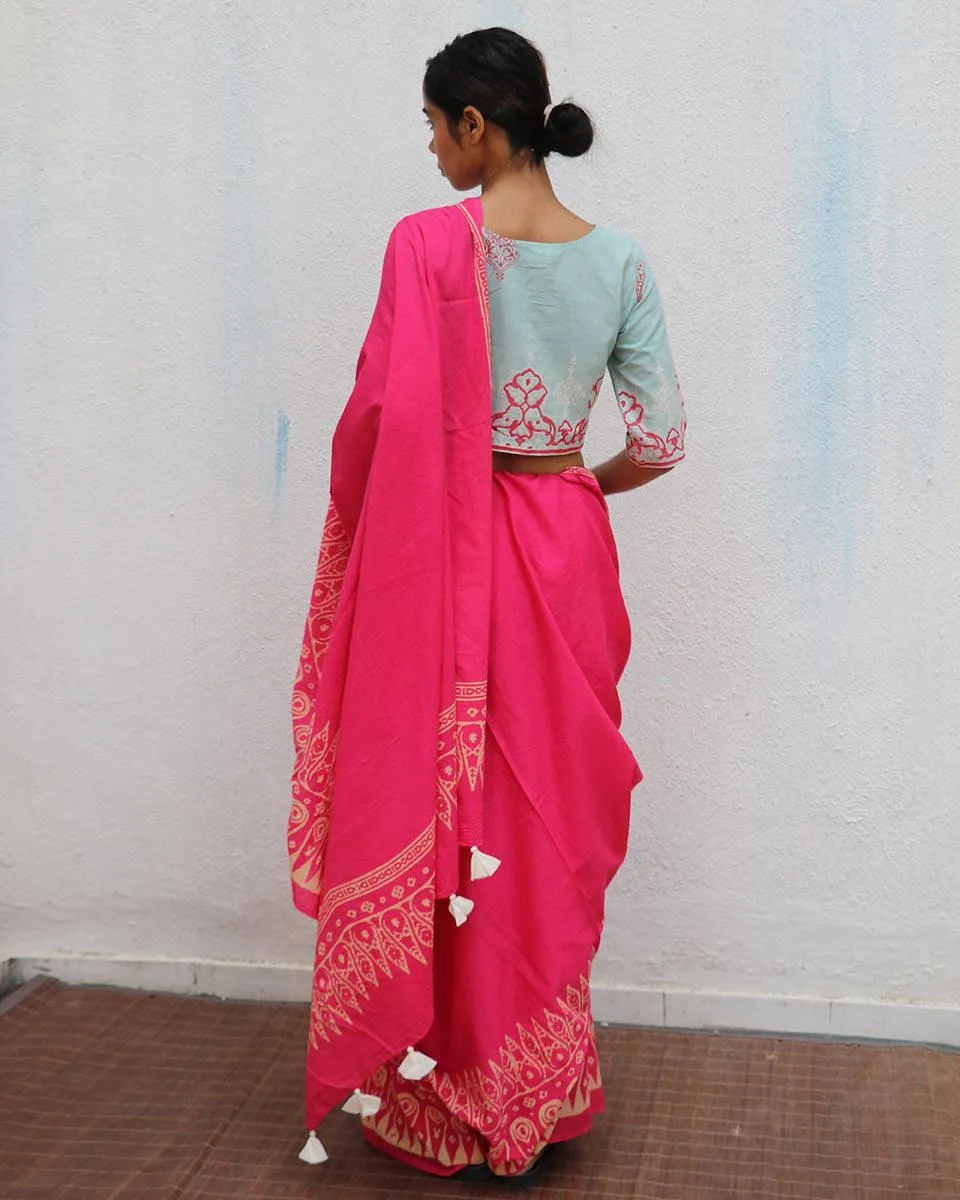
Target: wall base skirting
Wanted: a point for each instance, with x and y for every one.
(936, 1025)
(9, 975)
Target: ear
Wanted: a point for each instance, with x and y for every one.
(472, 124)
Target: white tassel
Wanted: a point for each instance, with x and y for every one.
(416, 1065)
(361, 1104)
(313, 1152)
(482, 866)
(460, 907)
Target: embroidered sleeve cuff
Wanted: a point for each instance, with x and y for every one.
(649, 450)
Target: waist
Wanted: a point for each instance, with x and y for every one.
(540, 464)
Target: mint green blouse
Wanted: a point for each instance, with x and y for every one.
(561, 315)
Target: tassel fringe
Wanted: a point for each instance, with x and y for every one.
(482, 866)
(460, 907)
(362, 1104)
(416, 1065)
(313, 1152)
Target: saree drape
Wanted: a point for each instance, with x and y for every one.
(456, 690)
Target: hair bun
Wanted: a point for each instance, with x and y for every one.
(568, 131)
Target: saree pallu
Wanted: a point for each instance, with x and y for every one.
(389, 700)
(457, 689)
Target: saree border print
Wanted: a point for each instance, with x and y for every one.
(316, 749)
(480, 271)
(460, 746)
(503, 1112)
(366, 930)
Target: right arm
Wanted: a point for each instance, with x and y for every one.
(648, 392)
(622, 474)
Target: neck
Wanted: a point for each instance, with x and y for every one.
(520, 191)
(519, 202)
(517, 179)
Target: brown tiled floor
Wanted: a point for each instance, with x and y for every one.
(116, 1095)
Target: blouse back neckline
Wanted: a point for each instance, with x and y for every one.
(523, 242)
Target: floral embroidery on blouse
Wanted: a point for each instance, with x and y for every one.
(570, 437)
(641, 279)
(644, 447)
(523, 418)
(524, 422)
(632, 410)
(501, 252)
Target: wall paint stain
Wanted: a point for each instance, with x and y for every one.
(245, 353)
(829, 388)
(280, 456)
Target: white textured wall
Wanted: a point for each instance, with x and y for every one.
(195, 196)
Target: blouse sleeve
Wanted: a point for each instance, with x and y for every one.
(645, 380)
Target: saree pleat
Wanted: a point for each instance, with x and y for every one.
(512, 1031)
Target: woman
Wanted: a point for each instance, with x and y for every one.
(461, 792)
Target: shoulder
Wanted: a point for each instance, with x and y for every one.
(437, 241)
(628, 258)
(430, 221)
(619, 244)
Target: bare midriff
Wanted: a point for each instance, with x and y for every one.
(535, 464)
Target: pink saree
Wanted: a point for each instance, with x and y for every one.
(461, 789)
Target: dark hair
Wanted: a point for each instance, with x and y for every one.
(504, 76)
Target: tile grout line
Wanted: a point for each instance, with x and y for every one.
(192, 1170)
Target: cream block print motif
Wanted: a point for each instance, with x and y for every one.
(546, 1070)
(315, 744)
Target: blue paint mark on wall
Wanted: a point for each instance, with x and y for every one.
(280, 456)
(245, 352)
(828, 385)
